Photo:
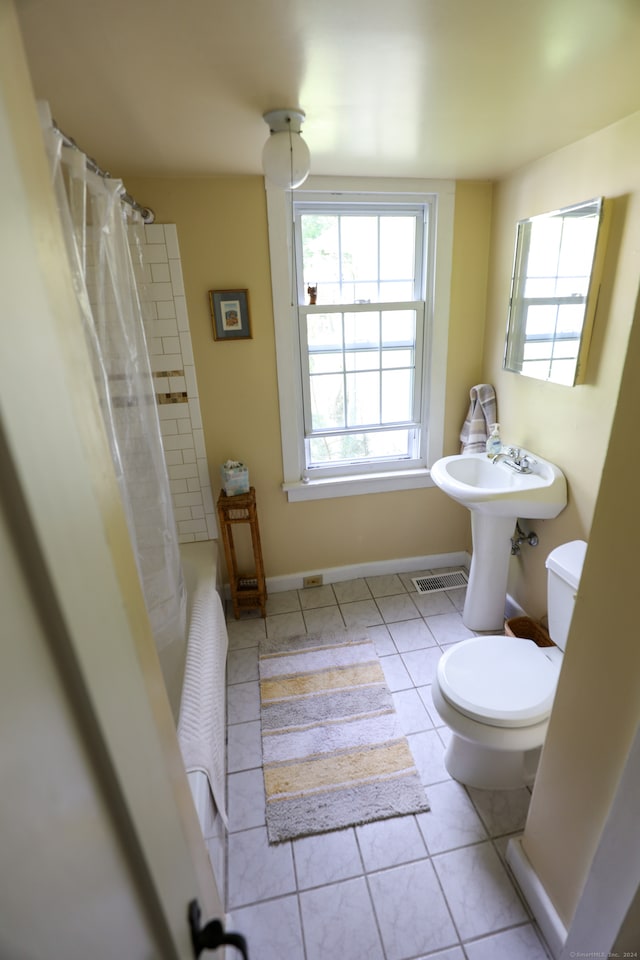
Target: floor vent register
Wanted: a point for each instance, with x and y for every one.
(440, 581)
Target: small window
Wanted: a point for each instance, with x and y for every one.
(357, 356)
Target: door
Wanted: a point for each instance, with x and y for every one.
(100, 847)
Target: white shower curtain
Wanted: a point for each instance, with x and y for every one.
(101, 232)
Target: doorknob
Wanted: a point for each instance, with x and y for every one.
(212, 935)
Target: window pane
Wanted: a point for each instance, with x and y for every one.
(362, 330)
(361, 446)
(363, 399)
(541, 321)
(398, 358)
(327, 402)
(544, 238)
(540, 288)
(362, 360)
(359, 258)
(320, 245)
(564, 349)
(324, 331)
(397, 249)
(359, 243)
(397, 395)
(398, 327)
(563, 371)
(570, 319)
(396, 290)
(326, 362)
(578, 245)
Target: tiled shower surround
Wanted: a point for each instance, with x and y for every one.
(169, 340)
(434, 886)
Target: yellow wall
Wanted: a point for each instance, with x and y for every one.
(568, 425)
(598, 700)
(222, 230)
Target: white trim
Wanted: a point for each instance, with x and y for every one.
(346, 486)
(374, 568)
(547, 917)
(279, 213)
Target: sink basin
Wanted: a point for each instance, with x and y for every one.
(499, 490)
(496, 494)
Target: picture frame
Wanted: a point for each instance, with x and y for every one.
(230, 314)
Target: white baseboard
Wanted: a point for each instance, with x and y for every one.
(375, 568)
(551, 926)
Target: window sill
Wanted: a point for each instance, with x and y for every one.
(329, 487)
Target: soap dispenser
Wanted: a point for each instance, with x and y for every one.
(494, 443)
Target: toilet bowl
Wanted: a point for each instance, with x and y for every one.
(495, 693)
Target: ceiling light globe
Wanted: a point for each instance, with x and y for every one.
(286, 159)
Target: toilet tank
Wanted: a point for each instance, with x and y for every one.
(564, 568)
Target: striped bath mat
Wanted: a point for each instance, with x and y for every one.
(333, 753)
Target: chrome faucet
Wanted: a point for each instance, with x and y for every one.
(515, 458)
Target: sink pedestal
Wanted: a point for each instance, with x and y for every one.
(489, 572)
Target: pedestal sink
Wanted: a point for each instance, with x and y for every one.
(497, 494)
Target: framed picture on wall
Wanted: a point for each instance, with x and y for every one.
(230, 314)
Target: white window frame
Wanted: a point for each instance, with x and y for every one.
(279, 211)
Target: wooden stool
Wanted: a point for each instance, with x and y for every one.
(246, 592)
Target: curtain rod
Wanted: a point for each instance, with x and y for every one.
(147, 214)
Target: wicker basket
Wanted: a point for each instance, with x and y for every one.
(528, 629)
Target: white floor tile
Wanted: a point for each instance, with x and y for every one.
(326, 858)
(242, 665)
(273, 929)
(382, 641)
(338, 921)
(479, 892)
(284, 625)
(502, 811)
(397, 608)
(385, 585)
(317, 597)
(257, 870)
(452, 821)
(411, 635)
(287, 601)
(245, 799)
(387, 843)
(448, 628)
(411, 910)
(243, 702)
(431, 604)
(361, 613)
(520, 943)
(422, 664)
(348, 591)
(428, 753)
(244, 746)
(412, 713)
(395, 672)
(322, 619)
(245, 633)
(426, 695)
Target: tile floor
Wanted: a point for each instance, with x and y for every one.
(432, 885)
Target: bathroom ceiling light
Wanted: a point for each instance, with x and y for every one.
(285, 156)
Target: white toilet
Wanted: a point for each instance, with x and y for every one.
(495, 693)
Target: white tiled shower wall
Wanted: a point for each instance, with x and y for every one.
(166, 324)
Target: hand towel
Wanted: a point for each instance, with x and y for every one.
(482, 413)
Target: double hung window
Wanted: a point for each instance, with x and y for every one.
(356, 357)
(361, 343)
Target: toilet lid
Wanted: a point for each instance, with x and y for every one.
(501, 681)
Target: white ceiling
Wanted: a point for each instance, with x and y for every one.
(405, 88)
